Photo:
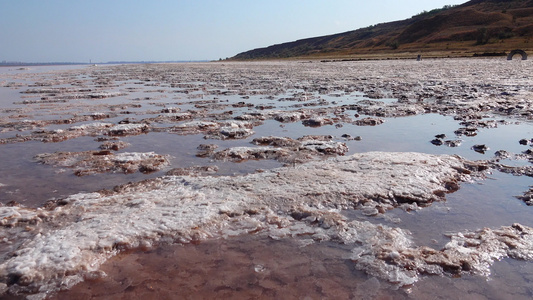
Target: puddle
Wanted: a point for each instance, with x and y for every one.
(244, 267)
(255, 267)
(473, 206)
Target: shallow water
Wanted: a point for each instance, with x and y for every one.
(256, 266)
(245, 267)
(250, 267)
(396, 134)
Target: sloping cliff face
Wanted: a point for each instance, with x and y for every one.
(474, 26)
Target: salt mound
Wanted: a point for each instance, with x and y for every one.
(91, 162)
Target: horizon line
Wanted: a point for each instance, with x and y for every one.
(20, 63)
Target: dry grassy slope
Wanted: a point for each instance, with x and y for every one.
(478, 26)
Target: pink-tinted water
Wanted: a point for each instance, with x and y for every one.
(257, 267)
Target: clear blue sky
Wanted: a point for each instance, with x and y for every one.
(130, 30)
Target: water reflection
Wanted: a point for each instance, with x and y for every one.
(246, 267)
(255, 266)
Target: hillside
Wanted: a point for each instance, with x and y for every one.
(481, 27)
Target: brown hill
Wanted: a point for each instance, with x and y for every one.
(482, 27)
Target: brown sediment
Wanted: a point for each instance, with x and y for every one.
(285, 150)
(240, 267)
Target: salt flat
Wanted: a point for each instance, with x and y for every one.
(135, 156)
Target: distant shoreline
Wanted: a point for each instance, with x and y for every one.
(24, 64)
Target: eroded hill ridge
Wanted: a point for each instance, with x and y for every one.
(473, 28)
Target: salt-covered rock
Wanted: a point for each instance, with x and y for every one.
(275, 141)
(193, 171)
(235, 133)
(174, 117)
(453, 143)
(317, 122)
(480, 148)
(91, 162)
(127, 129)
(205, 150)
(287, 117)
(527, 197)
(324, 147)
(194, 127)
(114, 145)
(247, 153)
(232, 130)
(60, 135)
(170, 110)
(91, 126)
(102, 95)
(369, 122)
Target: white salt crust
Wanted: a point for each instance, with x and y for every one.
(64, 245)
